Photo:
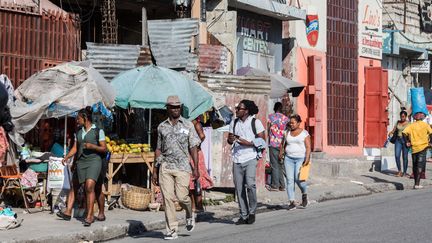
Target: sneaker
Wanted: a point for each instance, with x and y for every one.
(171, 235)
(251, 219)
(304, 200)
(418, 187)
(241, 221)
(190, 224)
(292, 206)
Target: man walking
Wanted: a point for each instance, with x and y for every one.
(242, 133)
(177, 139)
(417, 136)
(276, 125)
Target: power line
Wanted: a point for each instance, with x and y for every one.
(400, 32)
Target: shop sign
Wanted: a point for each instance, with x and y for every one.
(312, 29)
(370, 29)
(255, 34)
(418, 66)
(259, 41)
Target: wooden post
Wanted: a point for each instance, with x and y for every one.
(110, 179)
(144, 27)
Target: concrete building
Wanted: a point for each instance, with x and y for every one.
(336, 52)
(407, 37)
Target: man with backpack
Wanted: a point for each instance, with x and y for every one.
(243, 132)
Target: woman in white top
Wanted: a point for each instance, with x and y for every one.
(295, 150)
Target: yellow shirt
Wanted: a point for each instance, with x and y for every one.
(418, 133)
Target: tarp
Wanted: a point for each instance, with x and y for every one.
(279, 84)
(149, 87)
(57, 92)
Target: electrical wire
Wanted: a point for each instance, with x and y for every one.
(89, 16)
(400, 32)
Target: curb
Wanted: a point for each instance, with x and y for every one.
(135, 228)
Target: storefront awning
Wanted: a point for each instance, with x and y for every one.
(270, 8)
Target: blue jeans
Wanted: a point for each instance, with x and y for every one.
(400, 147)
(292, 169)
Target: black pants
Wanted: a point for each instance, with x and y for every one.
(419, 165)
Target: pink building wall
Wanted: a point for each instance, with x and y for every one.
(302, 55)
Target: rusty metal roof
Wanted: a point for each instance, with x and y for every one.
(170, 41)
(213, 59)
(112, 59)
(223, 83)
(32, 7)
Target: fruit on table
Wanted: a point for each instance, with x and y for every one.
(120, 146)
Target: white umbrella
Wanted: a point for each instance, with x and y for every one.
(57, 92)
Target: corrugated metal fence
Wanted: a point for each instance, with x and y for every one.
(213, 59)
(221, 83)
(170, 41)
(112, 59)
(30, 42)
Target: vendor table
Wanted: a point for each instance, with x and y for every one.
(125, 158)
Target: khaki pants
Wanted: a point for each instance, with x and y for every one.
(174, 185)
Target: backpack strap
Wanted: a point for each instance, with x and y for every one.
(235, 123)
(253, 124)
(254, 127)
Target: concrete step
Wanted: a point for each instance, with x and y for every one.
(327, 166)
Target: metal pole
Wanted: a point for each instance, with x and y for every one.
(149, 127)
(64, 141)
(144, 27)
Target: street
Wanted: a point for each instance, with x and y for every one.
(402, 216)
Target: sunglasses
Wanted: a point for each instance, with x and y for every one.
(240, 108)
(174, 107)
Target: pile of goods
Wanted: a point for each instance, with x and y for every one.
(120, 146)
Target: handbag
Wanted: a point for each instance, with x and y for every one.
(393, 138)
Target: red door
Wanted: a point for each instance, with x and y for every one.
(314, 102)
(376, 100)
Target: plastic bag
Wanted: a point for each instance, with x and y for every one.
(418, 101)
(58, 174)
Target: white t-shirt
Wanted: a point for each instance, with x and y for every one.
(240, 153)
(295, 146)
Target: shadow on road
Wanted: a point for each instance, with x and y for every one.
(398, 185)
(209, 218)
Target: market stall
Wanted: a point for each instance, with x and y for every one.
(148, 88)
(66, 89)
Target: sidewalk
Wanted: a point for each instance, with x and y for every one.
(45, 227)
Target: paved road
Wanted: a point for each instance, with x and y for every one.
(402, 216)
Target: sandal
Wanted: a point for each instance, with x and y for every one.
(63, 216)
(100, 219)
(87, 223)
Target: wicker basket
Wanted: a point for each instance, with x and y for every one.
(136, 198)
